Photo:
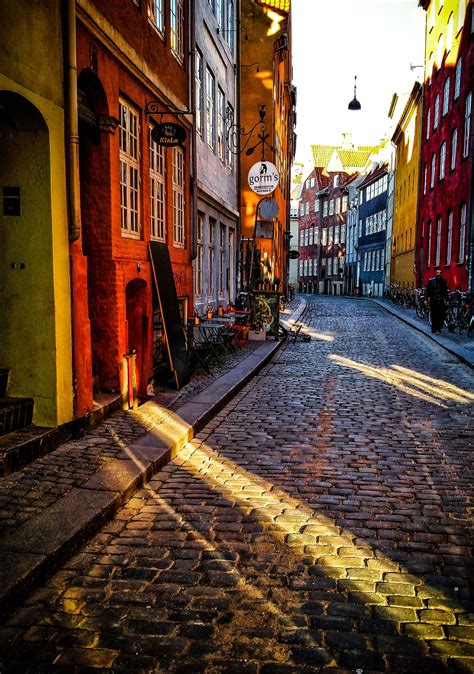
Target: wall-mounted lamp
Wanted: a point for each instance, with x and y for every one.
(247, 65)
(354, 104)
(236, 133)
(412, 67)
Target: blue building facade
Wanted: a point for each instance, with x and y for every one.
(373, 231)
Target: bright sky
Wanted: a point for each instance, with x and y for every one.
(333, 40)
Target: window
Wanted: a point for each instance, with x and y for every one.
(210, 99)
(428, 123)
(324, 236)
(220, 123)
(425, 178)
(155, 12)
(301, 237)
(222, 259)
(462, 233)
(338, 206)
(306, 208)
(336, 181)
(199, 255)
(129, 170)
(157, 191)
(433, 170)
(177, 28)
(447, 84)
(449, 243)
(442, 160)
(331, 207)
(198, 91)
(230, 118)
(457, 79)
(344, 204)
(210, 259)
(428, 257)
(325, 208)
(219, 12)
(311, 236)
(336, 234)
(343, 233)
(178, 196)
(439, 225)
(316, 205)
(440, 51)
(230, 35)
(329, 266)
(449, 32)
(436, 113)
(467, 125)
(454, 147)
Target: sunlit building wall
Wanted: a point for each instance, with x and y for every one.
(405, 198)
(309, 231)
(445, 232)
(265, 79)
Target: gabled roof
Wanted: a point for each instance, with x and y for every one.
(377, 171)
(341, 158)
(322, 154)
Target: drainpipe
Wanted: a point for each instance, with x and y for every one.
(192, 68)
(72, 126)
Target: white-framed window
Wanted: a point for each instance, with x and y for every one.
(177, 29)
(156, 14)
(177, 181)
(439, 227)
(316, 205)
(311, 236)
(428, 123)
(301, 237)
(338, 205)
(446, 88)
(467, 125)
(329, 266)
(436, 113)
(331, 207)
(330, 235)
(198, 91)
(198, 263)
(230, 35)
(129, 170)
(454, 148)
(336, 181)
(210, 108)
(343, 233)
(230, 156)
(157, 191)
(211, 256)
(462, 233)
(324, 237)
(433, 170)
(344, 203)
(325, 208)
(457, 79)
(449, 242)
(428, 256)
(220, 123)
(425, 178)
(306, 208)
(222, 238)
(219, 10)
(442, 160)
(337, 232)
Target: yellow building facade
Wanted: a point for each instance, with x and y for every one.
(265, 85)
(35, 324)
(406, 138)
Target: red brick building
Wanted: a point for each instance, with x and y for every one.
(444, 235)
(308, 235)
(131, 190)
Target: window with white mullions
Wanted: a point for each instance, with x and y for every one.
(178, 196)
(462, 233)
(198, 262)
(449, 242)
(129, 170)
(177, 29)
(467, 125)
(155, 12)
(220, 123)
(198, 83)
(222, 259)
(157, 191)
(210, 108)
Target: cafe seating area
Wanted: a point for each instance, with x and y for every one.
(212, 337)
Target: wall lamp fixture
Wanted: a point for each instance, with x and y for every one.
(247, 65)
(235, 133)
(232, 30)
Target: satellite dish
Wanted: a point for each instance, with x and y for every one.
(269, 209)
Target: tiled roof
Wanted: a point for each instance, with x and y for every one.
(279, 5)
(322, 154)
(354, 158)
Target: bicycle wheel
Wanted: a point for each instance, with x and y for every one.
(420, 310)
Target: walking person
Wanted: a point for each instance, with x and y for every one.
(437, 294)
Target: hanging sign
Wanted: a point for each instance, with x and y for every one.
(293, 254)
(263, 177)
(169, 134)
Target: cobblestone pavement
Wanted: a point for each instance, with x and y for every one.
(319, 523)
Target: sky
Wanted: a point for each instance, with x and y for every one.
(333, 40)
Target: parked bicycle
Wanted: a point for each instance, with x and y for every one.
(422, 305)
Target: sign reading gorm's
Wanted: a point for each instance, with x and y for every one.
(263, 177)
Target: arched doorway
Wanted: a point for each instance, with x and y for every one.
(27, 324)
(137, 329)
(94, 168)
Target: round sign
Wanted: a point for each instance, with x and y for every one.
(269, 209)
(263, 177)
(169, 134)
(293, 254)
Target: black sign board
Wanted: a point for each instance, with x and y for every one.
(169, 134)
(169, 307)
(293, 254)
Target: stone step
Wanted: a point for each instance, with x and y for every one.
(23, 446)
(15, 413)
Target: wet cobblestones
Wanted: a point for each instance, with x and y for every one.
(320, 523)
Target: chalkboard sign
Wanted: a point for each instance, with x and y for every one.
(266, 312)
(169, 307)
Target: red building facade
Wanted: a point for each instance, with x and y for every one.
(308, 231)
(445, 214)
(132, 191)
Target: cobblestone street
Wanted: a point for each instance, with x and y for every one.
(320, 522)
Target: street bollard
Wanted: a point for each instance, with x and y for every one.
(131, 358)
